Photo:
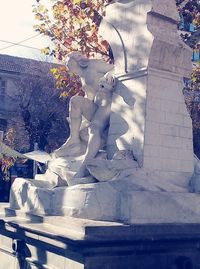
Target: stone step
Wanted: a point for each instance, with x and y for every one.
(9, 212)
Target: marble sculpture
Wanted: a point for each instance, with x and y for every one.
(129, 156)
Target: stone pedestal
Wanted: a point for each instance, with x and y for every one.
(134, 202)
(80, 244)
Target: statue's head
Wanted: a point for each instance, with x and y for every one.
(75, 60)
(107, 82)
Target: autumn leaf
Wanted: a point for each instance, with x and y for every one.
(72, 26)
(46, 50)
(76, 1)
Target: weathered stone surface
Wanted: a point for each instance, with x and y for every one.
(80, 244)
(148, 118)
(29, 198)
(150, 63)
(130, 200)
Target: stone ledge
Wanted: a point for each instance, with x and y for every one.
(79, 230)
(95, 244)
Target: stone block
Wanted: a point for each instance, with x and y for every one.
(153, 139)
(187, 122)
(172, 106)
(170, 152)
(169, 10)
(26, 197)
(153, 102)
(184, 154)
(174, 118)
(151, 163)
(152, 127)
(186, 166)
(186, 132)
(169, 129)
(161, 207)
(90, 201)
(152, 151)
(155, 91)
(156, 116)
(171, 141)
(187, 143)
(169, 164)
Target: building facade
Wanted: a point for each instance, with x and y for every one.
(30, 104)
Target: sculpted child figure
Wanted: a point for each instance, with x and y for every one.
(90, 72)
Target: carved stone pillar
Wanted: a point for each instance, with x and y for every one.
(149, 115)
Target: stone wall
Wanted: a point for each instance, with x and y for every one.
(150, 63)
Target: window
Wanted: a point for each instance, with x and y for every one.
(3, 124)
(2, 88)
(196, 55)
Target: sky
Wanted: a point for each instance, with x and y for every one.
(16, 25)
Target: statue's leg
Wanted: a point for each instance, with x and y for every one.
(93, 147)
(75, 117)
(96, 128)
(78, 106)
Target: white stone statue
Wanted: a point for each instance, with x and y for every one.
(90, 72)
(158, 129)
(67, 165)
(98, 113)
(71, 168)
(69, 161)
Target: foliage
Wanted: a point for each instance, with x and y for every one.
(42, 111)
(6, 162)
(189, 11)
(72, 26)
(195, 79)
(39, 115)
(67, 82)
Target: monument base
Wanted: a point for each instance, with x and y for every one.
(69, 243)
(124, 201)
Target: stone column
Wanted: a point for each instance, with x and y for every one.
(149, 115)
